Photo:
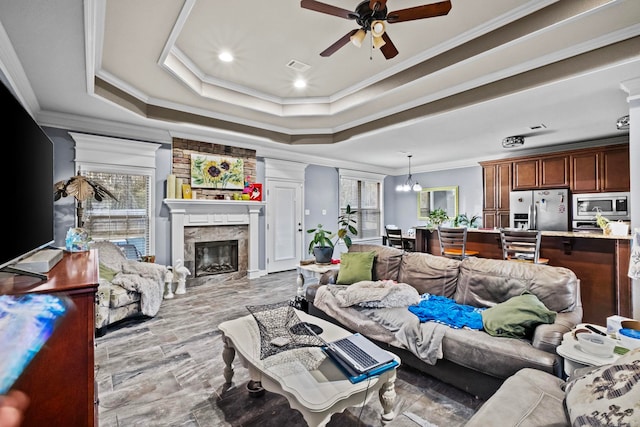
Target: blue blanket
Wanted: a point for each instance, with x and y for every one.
(446, 311)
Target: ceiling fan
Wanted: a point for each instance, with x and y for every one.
(370, 16)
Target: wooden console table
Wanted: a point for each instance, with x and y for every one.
(60, 380)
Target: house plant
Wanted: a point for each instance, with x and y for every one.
(322, 245)
(465, 220)
(437, 217)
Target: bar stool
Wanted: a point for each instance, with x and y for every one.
(521, 245)
(453, 242)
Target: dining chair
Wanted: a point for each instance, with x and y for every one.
(453, 242)
(394, 237)
(521, 245)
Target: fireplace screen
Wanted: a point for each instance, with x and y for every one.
(216, 257)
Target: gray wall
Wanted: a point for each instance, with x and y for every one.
(401, 208)
(320, 194)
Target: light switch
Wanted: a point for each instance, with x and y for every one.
(324, 211)
(306, 212)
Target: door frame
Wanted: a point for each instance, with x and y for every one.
(284, 171)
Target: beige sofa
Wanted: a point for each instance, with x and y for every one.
(471, 360)
(603, 395)
(127, 288)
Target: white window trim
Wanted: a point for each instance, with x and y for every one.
(370, 177)
(116, 155)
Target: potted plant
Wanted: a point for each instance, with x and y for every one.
(466, 221)
(322, 245)
(436, 218)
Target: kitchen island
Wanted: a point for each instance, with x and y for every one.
(601, 263)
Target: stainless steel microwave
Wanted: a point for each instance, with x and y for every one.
(613, 206)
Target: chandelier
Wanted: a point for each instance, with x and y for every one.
(409, 184)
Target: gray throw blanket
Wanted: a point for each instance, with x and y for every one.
(395, 326)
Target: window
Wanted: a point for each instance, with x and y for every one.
(363, 191)
(127, 170)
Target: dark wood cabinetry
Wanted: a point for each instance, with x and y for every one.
(600, 170)
(582, 171)
(497, 184)
(542, 172)
(60, 381)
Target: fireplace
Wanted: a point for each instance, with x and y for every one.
(216, 257)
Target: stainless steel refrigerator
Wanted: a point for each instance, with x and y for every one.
(546, 210)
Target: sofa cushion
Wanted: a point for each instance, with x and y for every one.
(107, 273)
(429, 273)
(386, 265)
(486, 282)
(607, 395)
(120, 296)
(517, 317)
(355, 267)
(530, 398)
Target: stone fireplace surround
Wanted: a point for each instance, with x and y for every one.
(188, 213)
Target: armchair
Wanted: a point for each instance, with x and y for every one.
(127, 288)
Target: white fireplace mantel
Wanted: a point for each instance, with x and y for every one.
(203, 212)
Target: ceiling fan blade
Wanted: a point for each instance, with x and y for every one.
(377, 4)
(419, 12)
(337, 45)
(388, 49)
(327, 8)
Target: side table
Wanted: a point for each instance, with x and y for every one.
(310, 274)
(575, 358)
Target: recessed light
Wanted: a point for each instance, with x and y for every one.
(300, 83)
(225, 57)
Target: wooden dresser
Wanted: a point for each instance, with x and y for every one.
(61, 379)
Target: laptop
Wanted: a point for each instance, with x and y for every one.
(357, 352)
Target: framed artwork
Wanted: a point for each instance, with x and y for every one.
(217, 172)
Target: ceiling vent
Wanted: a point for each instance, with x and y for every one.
(298, 66)
(512, 141)
(623, 123)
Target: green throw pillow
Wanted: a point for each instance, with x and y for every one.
(106, 273)
(355, 267)
(517, 317)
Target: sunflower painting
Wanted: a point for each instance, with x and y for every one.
(217, 172)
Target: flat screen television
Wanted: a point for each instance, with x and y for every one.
(27, 180)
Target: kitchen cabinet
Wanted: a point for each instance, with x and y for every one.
(604, 169)
(60, 380)
(541, 172)
(497, 186)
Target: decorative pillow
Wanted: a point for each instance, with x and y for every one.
(355, 267)
(606, 396)
(107, 273)
(517, 317)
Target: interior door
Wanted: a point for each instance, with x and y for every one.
(284, 225)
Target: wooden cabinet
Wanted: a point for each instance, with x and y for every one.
(585, 170)
(541, 172)
(600, 170)
(554, 172)
(497, 185)
(60, 380)
(525, 174)
(615, 169)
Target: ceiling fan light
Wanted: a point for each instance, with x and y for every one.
(358, 37)
(378, 42)
(377, 28)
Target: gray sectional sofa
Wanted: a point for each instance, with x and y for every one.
(471, 360)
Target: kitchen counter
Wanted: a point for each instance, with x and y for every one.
(600, 262)
(581, 234)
